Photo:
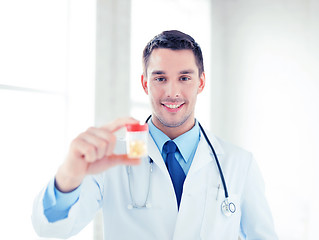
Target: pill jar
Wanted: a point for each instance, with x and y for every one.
(136, 140)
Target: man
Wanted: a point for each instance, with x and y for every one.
(147, 200)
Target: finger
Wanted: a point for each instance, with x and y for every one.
(121, 159)
(84, 149)
(124, 159)
(119, 123)
(107, 136)
(111, 161)
(99, 143)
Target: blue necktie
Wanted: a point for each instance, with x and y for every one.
(175, 170)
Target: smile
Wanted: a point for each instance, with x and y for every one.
(173, 106)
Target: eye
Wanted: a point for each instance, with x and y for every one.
(160, 79)
(185, 78)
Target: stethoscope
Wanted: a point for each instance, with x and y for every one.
(227, 207)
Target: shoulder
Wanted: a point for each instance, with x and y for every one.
(233, 159)
(238, 165)
(228, 149)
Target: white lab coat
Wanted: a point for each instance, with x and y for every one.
(199, 216)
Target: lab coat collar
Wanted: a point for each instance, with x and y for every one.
(204, 154)
(215, 142)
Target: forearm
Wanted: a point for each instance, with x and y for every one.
(50, 208)
(66, 182)
(76, 214)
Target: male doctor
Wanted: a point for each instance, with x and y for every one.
(175, 193)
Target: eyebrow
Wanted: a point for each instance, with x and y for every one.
(159, 72)
(187, 71)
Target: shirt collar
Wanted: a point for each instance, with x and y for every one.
(188, 141)
(158, 136)
(185, 142)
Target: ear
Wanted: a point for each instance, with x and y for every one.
(202, 81)
(144, 83)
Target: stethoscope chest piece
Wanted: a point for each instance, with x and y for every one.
(131, 206)
(228, 208)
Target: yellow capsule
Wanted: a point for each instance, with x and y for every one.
(137, 149)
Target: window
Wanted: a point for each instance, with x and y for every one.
(39, 90)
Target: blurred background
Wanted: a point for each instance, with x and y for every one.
(66, 65)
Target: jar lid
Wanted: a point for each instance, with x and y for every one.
(136, 127)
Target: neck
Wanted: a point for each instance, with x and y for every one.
(174, 132)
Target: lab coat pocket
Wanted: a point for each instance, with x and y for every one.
(216, 225)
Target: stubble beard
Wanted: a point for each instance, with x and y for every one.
(172, 124)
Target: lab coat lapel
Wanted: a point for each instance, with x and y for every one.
(168, 190)
(155, 155)
(199, 205)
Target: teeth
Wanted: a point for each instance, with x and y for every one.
(172, 106)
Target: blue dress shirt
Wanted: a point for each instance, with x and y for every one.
(187, 144)
(56, 204)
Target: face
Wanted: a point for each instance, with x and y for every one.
(172, 82)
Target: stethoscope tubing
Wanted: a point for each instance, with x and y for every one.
(134, 204)
(215, 156)
(216, 159)
(228, 208)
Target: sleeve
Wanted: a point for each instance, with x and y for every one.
(53, 219)
(256, 220)
(56, 205)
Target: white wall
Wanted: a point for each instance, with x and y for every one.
(267, 99)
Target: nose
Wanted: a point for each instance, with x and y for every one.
(173, 89)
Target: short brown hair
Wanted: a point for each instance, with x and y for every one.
(174, 40)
